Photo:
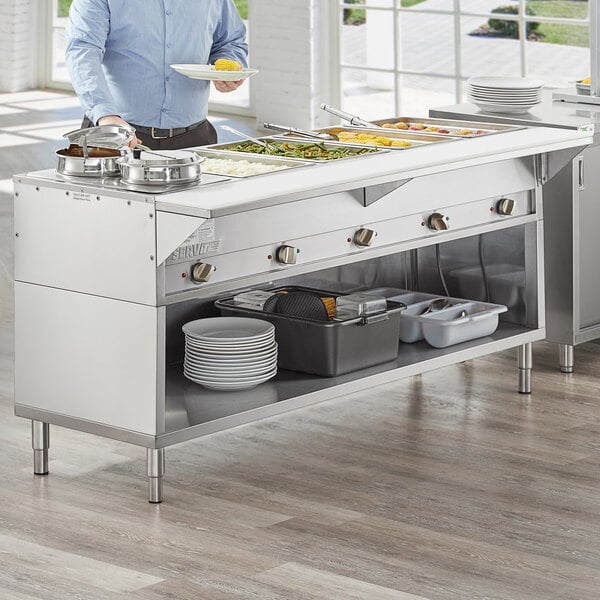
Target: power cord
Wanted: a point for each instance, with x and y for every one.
(439, 268)
(483, 269)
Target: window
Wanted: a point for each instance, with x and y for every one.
(55, 71)
(56, 74)
(403, 56)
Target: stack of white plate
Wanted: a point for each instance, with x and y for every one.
(504, 94)
(229, 353)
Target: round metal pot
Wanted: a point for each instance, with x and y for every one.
(78, 166)
(161, 169)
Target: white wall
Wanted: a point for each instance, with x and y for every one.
(289, 52)
(18, 44)
(288, 47)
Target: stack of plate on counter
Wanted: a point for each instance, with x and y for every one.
(504, 94)
(229, 353)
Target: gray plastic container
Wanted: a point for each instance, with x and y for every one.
(445, 327)
(461, 323)
(329, 348)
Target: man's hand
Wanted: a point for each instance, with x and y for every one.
(228, 86)
(115, 120)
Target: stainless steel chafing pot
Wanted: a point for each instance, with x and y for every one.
(92, 166)
(166, 166)
(94, 151)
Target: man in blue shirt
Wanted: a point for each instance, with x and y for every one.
(119, 54)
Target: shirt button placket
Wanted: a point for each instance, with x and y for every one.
(168, 33)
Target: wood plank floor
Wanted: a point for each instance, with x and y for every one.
(448, 486)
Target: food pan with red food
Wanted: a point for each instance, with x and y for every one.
(448, 127)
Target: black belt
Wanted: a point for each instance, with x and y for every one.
(162, 134)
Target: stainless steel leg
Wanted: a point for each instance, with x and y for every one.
(566, 358)
(40, 442)
(525, 366)
(155, 461)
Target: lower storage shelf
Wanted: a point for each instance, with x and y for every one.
(192, 411)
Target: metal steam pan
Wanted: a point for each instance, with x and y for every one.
(328, 348)
(350, 150)
(448, 127)
(415, 139)
(289, 163)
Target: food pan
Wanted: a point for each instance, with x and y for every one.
(415, 139)
(170, 167)
(303, 147)
(445, 326)
(289, 163)
(95, 165)
(461, 323)
(329, 348)
(411, 323)
(448, 127)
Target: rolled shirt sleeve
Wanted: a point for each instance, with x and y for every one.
(229, 38)
(86, 34)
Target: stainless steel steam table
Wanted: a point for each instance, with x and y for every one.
(105, 276)
(571, 216)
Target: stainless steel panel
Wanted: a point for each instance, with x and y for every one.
(77, 240)
(87, 357)
(560, 266)
(503, 267)
(234, 258)
(250, 279)
(588, 238)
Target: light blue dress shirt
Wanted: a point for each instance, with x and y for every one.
(119, 51)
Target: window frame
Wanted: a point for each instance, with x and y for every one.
(337, 65)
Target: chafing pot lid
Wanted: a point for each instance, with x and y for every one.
(166, 158)
(102, 136)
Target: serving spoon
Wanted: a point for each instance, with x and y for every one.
(244, 135)
(437, 304)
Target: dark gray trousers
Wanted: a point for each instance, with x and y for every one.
(202, 135)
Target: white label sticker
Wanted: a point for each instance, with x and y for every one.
(82, 196)
(201, 242)
(204, 233)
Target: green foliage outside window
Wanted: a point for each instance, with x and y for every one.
(550, 33)
(63, 7)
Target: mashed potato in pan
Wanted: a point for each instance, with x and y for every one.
(238, 168)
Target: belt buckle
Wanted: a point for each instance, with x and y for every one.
(160, 137)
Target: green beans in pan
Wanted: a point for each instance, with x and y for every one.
(316, 151)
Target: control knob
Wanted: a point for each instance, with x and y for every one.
(286, 255)
(202, 272)
(363, 238)
(437, 222)
(505, 206)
